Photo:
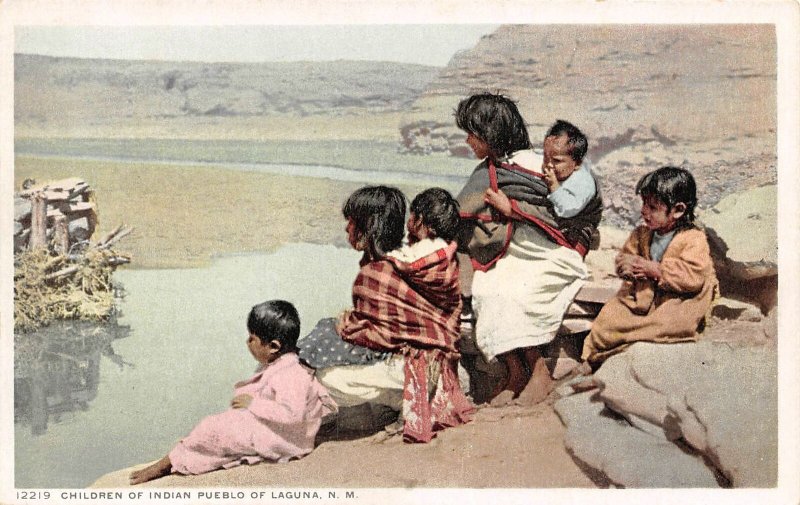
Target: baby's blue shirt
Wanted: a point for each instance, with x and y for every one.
(574, 193)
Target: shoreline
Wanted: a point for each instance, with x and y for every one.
(184, 215)
(484, 454)
(314, 171)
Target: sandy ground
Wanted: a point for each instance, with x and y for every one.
(483, 454)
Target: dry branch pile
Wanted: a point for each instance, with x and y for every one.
(58, 272)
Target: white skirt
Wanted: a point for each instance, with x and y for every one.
(380, 382)
(520, 301)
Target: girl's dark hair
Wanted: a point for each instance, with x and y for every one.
(275, 320)
(494, 119)
(671, 185)
(578, 144)
(439, 212)
(379, 215)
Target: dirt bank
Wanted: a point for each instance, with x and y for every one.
(512, 447)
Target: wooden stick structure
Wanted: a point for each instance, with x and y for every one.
(108, 236)
(61, 273)
(61, 236)
(38, 226)
(114, 237)
(39, 210)
(65, 212)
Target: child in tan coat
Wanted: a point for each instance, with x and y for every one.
(669, 275)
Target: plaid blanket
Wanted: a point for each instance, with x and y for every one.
(414, 309)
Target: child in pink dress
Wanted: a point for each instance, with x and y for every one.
(274, 415)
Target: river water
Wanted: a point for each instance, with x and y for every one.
(451, 183)
(184, 350)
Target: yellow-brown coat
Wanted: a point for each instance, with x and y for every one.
(673, 309)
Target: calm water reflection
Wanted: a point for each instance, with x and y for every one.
(129, 401)
(57, 370)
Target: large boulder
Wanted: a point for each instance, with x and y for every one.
(730, 414)
(754, 253)
(746, 262)
(718, 397)
(615, 451)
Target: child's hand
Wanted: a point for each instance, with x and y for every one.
(340, 321)
(499, 201)
(631, 266)
(625, 265)
(550, 178)
(241, 401)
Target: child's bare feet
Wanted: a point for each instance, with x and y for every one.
(584, 369)
(538, 388)
(157, 470)
(586, 384)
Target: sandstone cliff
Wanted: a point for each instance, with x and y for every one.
(703, 97)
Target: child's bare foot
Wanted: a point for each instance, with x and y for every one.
(157, 470)
(511, 390)
(514, 383)
(584, 369)
(502, 399)
(585, 385)
(505, 393)
(540, 385)
(538, 388)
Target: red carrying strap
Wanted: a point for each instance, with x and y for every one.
(477, 265)
(551, 231)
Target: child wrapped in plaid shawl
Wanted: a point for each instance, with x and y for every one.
(406, 302)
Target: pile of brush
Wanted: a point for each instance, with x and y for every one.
(59, 273)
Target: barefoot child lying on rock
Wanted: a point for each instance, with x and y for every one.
(668, 271)
(274, 415)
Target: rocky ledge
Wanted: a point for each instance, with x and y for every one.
(679, 415)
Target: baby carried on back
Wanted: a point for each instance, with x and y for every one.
(569, 216)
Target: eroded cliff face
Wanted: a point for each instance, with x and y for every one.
(73, 89)
(701, 96)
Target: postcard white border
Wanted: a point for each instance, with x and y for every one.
(784, 14)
